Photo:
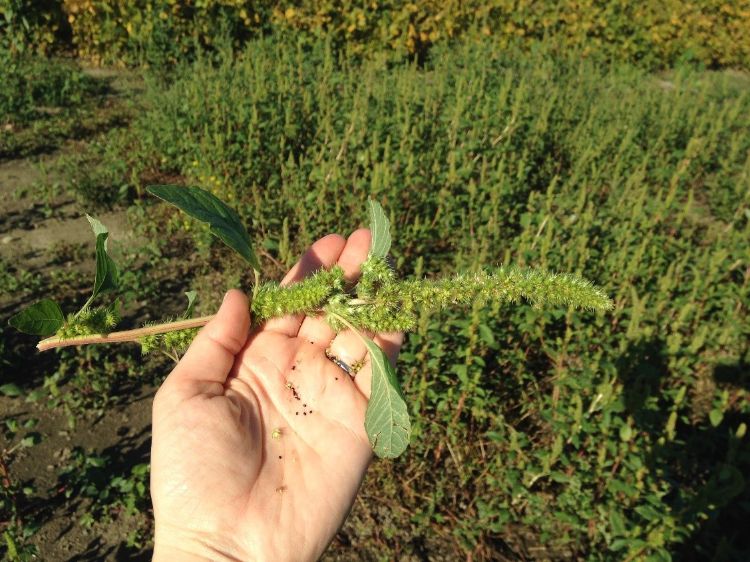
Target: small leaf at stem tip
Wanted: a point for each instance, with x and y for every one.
(380, 227)
(43, 318)
(106, 271)
(387, 418)
(97, 226)
(191, 303)
(224, 222)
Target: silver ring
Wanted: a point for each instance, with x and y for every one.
(343, 366)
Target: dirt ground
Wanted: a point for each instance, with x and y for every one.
(61, 537)
(31, 232)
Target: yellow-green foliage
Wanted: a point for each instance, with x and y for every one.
(98, 320)
(654, 34)
(121, 29)
(713, 31)
(30, 25)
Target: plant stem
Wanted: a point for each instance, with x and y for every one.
(85, 306)
(256, 284)
(128, 335)
(172, 355)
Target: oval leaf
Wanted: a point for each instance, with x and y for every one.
(387, 418)
(223, 221)
(43, 318)
(380, 227)
(106, 271)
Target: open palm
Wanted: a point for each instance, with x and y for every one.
(259, 445)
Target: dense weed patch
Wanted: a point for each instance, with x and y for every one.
(586, 434)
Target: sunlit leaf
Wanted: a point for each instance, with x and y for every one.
(626, 433)
(380, 227)
(223, 221)
(387, 418)
(30, 440)
(715, 417)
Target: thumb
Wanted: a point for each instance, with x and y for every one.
(210, 357)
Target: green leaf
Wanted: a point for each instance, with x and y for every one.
(191, 303)
(380, 227)
(715, 417)
(485, 332)
(106, 271)
(626, 433)
(648, 513)
(41, 319)
(30, 440)
(97, 226)
(223, 221)
(10, 389)
(11, 544)
(387, 419)
(619, 544)
(34, 396)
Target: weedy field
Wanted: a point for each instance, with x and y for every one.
(537, 434)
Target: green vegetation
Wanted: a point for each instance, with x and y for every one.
(161, 32)
(44, 102)
(31, 87)
(377, 303)
(89, 476)
(590, 431)
(16, 532)
(536, 432)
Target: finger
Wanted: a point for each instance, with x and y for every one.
(321, 255)
(355, 252)
(390, 343)
(351, 258)
(210, 357)
(349, 348)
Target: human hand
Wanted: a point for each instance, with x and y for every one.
(259, 445)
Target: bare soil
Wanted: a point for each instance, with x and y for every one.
(30, 230)
(31, 234)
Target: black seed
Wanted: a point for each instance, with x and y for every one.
(304, 413)
(294, 367)
(279, 456)
(304, 405)
(296, 413)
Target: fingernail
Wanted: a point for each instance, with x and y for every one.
(225, 297)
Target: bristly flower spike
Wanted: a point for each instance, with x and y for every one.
(379, 302)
